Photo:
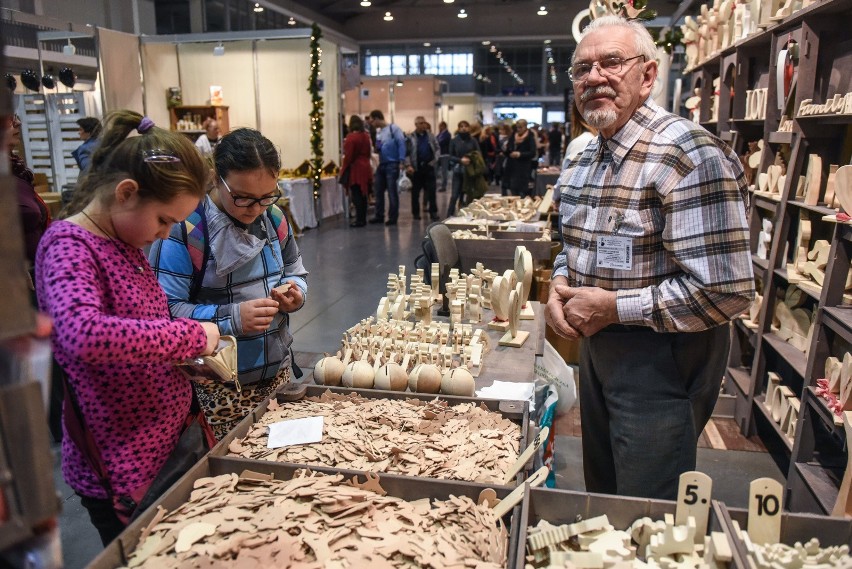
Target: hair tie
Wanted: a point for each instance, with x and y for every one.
(144, 125)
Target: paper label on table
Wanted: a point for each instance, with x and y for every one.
(615, 252)
(295, 432)
(508, 391)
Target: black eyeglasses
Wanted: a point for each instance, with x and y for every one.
(606, 67)
(240, 201)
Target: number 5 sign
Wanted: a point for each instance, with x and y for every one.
(764, 511)
(693, 500)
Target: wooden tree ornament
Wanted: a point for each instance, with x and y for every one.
(500, 304)
(514, 338)
(524, 272)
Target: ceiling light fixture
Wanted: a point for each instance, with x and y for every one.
(291, 21)
(542, 11)
(437, 50)
(547, 42)
(399, 82)
(219, 49)
(449, 1)
(366, 3)
(486, 42)
(427, 44)
(388, 17)
(462, 13)
(258, 8)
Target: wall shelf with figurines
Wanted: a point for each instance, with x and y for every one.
(790, 121)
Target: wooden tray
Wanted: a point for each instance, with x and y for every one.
(564, 507)
(117, 553)
(515, 411)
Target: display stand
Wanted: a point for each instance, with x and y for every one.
(790, 138)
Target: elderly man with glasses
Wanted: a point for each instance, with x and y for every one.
(655, 263)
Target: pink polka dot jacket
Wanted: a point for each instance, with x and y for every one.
(116, 342)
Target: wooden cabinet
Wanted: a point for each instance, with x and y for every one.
(763, 356)
(198, 114)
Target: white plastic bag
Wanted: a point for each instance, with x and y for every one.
(551, 369)
(404, 182)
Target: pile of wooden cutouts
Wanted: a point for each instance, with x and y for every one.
(779, 555)
(318, 521)
(411, 437)
(478, 234)
(595, 544)
(503, 208)
(836, 386)
(783, 405)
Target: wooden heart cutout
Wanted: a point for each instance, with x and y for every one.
(763, 181)
(843, 187)
(772, 173)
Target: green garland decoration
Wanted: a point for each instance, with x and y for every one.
(672, 39)
(316, 110)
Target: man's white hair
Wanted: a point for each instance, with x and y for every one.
(644, 42)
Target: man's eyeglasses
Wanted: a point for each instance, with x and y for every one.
(606, 67)
(248, 202)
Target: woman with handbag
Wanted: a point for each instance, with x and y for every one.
(235, 262)
(356, 175)
(128, 404)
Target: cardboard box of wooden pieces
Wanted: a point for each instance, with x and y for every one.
(226, 521)
(498, 254)
(517, 412)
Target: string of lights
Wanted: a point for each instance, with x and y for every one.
(508, 68)
(316, 113)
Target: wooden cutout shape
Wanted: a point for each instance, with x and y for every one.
(515, 496)
(843, 505)
(773, 381)
(803, 240)
(814, 267)
(843, 187)
(830, 185)
(763, 182)
(832, 373)
(772, 174)
(539, 440)
(693, 500)
(500, 304)
(814, 176)
(488, 497)
(514, 338)
(755, 157)
(846, 382)
(764, 511)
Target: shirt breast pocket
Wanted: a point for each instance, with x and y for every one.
(639, 223)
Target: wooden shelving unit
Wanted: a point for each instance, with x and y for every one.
(816, 457)
(218, 112)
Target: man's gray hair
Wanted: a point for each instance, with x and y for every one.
(644, 42)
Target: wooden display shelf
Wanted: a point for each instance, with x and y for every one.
(791, 355)
(839, 319)
(741, 377)
(820, 209)
(760, 405)
(764, 202)
(780, 137)
(762, 264)
(826, 119)
(821, 482)
(831, 421)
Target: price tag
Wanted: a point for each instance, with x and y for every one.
(764, 511)
(693, 499)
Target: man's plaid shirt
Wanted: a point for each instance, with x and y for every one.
(680, 194)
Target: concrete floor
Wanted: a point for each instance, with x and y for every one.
(348, 275)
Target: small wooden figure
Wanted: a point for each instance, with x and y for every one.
(435, 273)
(500, 304)
(764, 240)
(814, 177)
(524, 272)
(514, 338)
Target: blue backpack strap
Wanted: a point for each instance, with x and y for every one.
(195, 238)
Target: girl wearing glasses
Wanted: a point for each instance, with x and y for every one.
(235, 263)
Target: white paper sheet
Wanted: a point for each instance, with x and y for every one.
(295, 432)
(508, 391)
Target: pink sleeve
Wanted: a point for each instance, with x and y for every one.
(72, 291)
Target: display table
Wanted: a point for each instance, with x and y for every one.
(300, 193)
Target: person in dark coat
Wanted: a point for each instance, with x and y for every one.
(357, 173)
(461, 145)
(521, 151)
(90, 129)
